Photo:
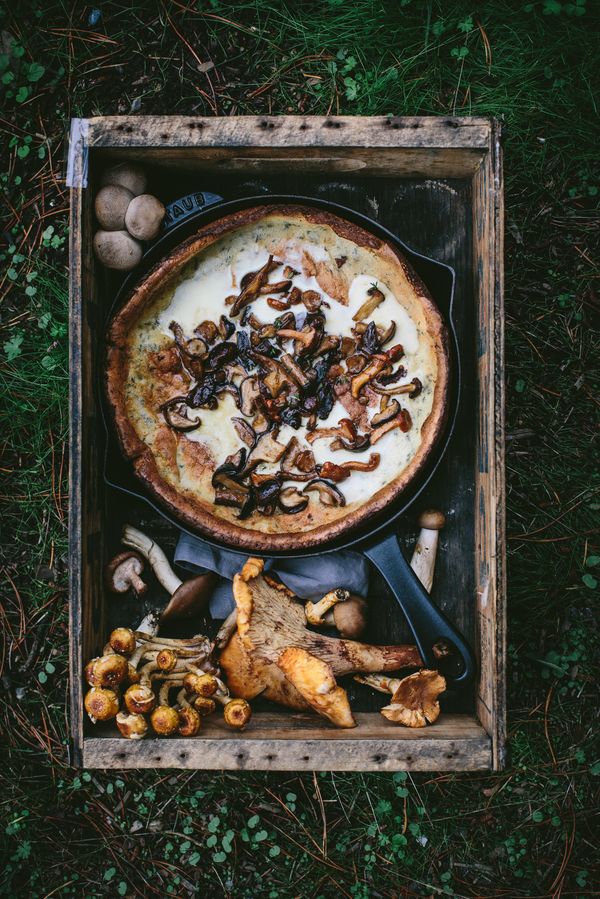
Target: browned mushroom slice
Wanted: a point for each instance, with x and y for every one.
(225, 496)
(305, 461)
(207, 330)
(312, 300)
(386, 334)
(292, 367)
(329, 495)
(244, 431)
(174, 413)
(275, 381)
(277, 287)
(304, 341)
(375, 366)
(285, 321)
(385, 414)
(413, 389)
(289, 272)
(376, 297)
(291, 449)
(403, 421)
(278, 305)
(249, 394)
(356, 363)
(371, 465)
(347, 346)
(291, 501)
(251, 284)
(333, 472)
(328, 343)
(267, 449)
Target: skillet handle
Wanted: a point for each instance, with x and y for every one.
(427, 623)
(180, 210)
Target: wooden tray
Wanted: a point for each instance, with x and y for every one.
(437, 184)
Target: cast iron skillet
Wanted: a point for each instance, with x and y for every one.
(376, 539)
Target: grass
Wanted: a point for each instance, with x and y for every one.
(528, 831)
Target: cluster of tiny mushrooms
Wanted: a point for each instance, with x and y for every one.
(289, 372)
(127, 216)
(269, 646)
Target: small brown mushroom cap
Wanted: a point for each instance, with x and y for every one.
(190, 598)
(117, 249)
(203, 705)
(110, 206)
(101, 704)
(111, 670)
(432, 519)
(88, 672)
(415, 701)
(122, 640)
(350, 617)
(164, 720)
(139, 699)
(166, 660)
(122, 573)
(127, 175)
(237, 713)
(200, 684)
(132, 726)
(189, 722)
(144, 216)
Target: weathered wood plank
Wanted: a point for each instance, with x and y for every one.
(280, 742)
(76, 523)
(273, 132)
(378, 162)
(490, 549)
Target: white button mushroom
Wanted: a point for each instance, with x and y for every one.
(127, 175)
(110, 206)
(117, 249)
(144, 217)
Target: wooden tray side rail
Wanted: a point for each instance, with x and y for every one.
(348, 148)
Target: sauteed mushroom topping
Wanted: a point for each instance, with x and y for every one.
(289, 372)
(375, 298)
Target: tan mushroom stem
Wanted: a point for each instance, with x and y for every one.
(196, 650)
(315, 611)
(424, 554)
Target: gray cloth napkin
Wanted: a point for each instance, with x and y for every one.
(309, 578)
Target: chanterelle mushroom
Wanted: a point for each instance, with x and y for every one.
(414, 698)
(269, 622)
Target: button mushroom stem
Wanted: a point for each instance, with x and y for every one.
(155, 556)
(422, 563)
